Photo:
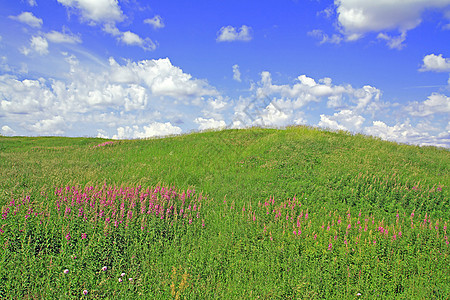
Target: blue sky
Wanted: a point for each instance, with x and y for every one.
(136, 69)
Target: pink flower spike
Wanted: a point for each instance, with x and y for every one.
(330, 246)
(83, 236)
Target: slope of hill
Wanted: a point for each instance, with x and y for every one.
(277, 205)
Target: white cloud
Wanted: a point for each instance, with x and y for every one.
(132, 39)
(134, 94)
(358, 17)
(152, 130)
(102, 134)
(6, 130)
(107, 13)
(305, 91)
(324, 38)
(39, 44)
(406, 133)
(62, 37)
(32, 2)
(393, 42)
(209, 123)
(230, 34)
(161, 78)
(98, 11)
(435, 104)
(53, 126)
(28, 18)
(236, 73)
(156, 22)
(343, 120)
(435, 63)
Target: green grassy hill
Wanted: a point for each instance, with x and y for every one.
(240, 248)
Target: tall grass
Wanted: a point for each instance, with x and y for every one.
(254, 214)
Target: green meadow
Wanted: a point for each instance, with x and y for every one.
(293, 213)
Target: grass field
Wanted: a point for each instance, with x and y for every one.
(294, 213)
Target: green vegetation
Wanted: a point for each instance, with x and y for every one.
(292, 213)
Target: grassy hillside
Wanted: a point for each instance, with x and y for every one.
(245, 181)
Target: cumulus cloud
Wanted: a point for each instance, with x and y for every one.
(156, 22)
(6, 130)
(161, 78)
(236, 73)
(325, 38)
(306, 89)
(108, 13)
(393, 42)
(343, 120)
(32, 3)
(132, 39)
(209, 123)
(435, 104)
(54, 125)
(99, 11)
(230, 34)
(407, 133)
(356, 18)
(118, 96)
(435, 63)
(152, 130)
(62, 37)
(28, 18)
(38, 44)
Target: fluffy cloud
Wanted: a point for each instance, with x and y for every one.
(236, 73)
(407, 133)
(393, 42)
(53, 126)
(161, 78)
(230, 34)
(119, 96)
(99, 11)
(156, 22)
(325, 38)
(107, 13)
(304, 91)
(39, 44)
(435, 63)
(62, 37)
(132, 39)
(343, 120)
(152, 130)
(357, 17)
(435, 104)
(28, 18)
(6, 130)
(209, 123)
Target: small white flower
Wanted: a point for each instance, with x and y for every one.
(104, 268)
(123, 274)
(66, 271)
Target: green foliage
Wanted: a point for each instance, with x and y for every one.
(259, 186)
